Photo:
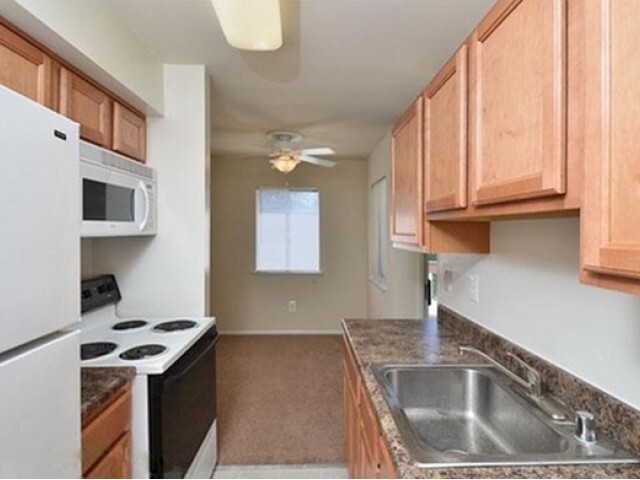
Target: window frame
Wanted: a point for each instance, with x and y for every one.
(256, 270)
(380, 235)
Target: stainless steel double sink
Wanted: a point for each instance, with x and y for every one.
(454, 416)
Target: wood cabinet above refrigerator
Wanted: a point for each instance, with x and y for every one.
(88, 105)
(33, 71)
(25, 68)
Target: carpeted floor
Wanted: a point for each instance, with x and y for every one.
(280, 399)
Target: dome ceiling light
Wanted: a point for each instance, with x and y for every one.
(253, 25)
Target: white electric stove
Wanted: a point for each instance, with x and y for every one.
(174, 387)
(151, 345)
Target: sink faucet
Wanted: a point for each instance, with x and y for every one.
(534, 381)
(532, 385)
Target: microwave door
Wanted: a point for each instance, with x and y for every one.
(109, 203)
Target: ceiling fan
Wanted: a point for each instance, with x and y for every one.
(286, 154)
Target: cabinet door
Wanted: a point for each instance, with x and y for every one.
(88, 105)
(387, 470)
(518, 102)
(445, 136)
(369, 462)
(24, 68)
(610, 214)
(116, 463)
(349, 426)
(129, 132)
(105, 429)
(406, 177)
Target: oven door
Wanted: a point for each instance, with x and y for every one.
(182, 408)
(113, 203)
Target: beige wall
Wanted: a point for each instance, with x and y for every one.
(403, 295)
(244, 301)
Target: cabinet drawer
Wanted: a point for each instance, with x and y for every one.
(116, 463)
(105, 430)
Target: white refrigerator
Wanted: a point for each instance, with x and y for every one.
(39, 291)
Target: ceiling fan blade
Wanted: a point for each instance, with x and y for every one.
(318, 151)
(317, 161)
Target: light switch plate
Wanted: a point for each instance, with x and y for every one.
(447, 279)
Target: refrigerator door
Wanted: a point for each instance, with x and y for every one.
(40, 215)
(40, 410)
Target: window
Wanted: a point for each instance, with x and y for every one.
(380, 232)
(287, 230)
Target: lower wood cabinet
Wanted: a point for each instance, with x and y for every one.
(365, 448)
(116, 463)
(106, 441)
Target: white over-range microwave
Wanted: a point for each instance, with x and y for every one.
(118, 194)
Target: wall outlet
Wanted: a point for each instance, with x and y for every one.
(292, 306)
(474, 288)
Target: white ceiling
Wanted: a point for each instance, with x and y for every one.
(347, 70)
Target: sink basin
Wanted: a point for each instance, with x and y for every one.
(470, 416)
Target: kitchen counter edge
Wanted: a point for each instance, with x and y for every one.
(100, 386)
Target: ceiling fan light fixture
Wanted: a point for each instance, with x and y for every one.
(284, 163)
(250, 24)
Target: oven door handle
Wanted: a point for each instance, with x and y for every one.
(174, 377)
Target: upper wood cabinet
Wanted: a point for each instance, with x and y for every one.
(129, 132)
(409, 226)
(25, 68)
(610, 229)
(30, 70)
(445, 136)
(518, 102)
(88, 105)
(406, 177)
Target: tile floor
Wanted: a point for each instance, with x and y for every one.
(281, 471)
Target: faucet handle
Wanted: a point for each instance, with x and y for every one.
(585, 426)
(533, 376)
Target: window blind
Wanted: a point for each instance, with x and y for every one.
(287, 230)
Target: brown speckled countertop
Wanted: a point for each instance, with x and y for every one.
(98, 385)
(436, 342)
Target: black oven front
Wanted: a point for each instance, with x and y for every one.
(182, 408)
